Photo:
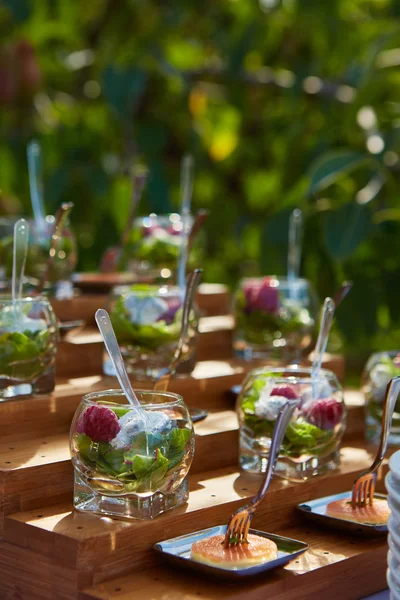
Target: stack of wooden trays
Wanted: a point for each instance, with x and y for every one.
(49, 552)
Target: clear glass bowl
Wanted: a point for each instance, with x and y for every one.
(126, 465)
(36, 261)
(28, 346)
(381, 367)
(275, 319)
(155, 245)
(312, 441)
(147, 322)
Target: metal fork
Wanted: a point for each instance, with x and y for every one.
(364, 486)
(239, 524)
(193, 281)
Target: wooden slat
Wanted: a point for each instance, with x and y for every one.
(333, 567)
(80, 353)
(103, 548)
(207, 387)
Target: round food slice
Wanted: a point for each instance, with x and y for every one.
(375, 514)
(211, 551)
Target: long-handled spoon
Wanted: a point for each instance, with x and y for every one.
(20, 250)
(294, 252)
(110, 341)
(58, 227)
(36, 187)
(191, 287)
(186, 191)
(342, 292)
(323, 335)
(199, 220)
(139, 180)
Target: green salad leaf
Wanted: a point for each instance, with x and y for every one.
(143, 466)
(150, 336)
(22, 354)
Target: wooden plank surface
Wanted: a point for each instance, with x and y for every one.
(334, 566)
(102, 548)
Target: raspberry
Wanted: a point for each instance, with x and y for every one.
(325, 413)
(99, 423)
(284, 390)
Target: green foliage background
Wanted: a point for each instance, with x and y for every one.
(268, 96)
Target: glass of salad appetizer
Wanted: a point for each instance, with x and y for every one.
(128, 463)
(64, 261)
(312, 440)
(155, 244)
(28, 346)
(147, 322)
(381, 367)
(275, 318)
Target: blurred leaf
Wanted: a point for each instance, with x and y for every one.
(19, 8)
(123, 88)
(345, 228)
(120, 199)
(332, 165)
(157, 189)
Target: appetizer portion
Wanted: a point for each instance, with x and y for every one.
(211, 551)
(380, 369)
(28, 344)
(147, 322)
(312, 437)
(371, 514)
(116, 450)
(272, 318)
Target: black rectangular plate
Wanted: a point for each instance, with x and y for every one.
(315, 510)
(177, 551)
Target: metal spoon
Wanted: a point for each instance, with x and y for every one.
(294, 252)
(33, 153)
(20, 250)
(191, 287)
(58, 227)
(186, 191)
(110, 341)
(324, 330)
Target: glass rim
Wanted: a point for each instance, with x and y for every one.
(279, 278)
(172, 291)
(304, 374)
(89, 398)
(8, 298)
(14, 218)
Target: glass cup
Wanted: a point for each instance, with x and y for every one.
(312, 440)
(275, 319)
(28, 345)
(147, 322)
(381, 367)
(38, 252)
(155, 245)
(127, 463)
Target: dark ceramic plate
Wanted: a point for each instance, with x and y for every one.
(177, 551)
(315, 510)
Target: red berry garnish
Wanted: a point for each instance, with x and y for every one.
(284, 390)
(99, 423)
(325, 413)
